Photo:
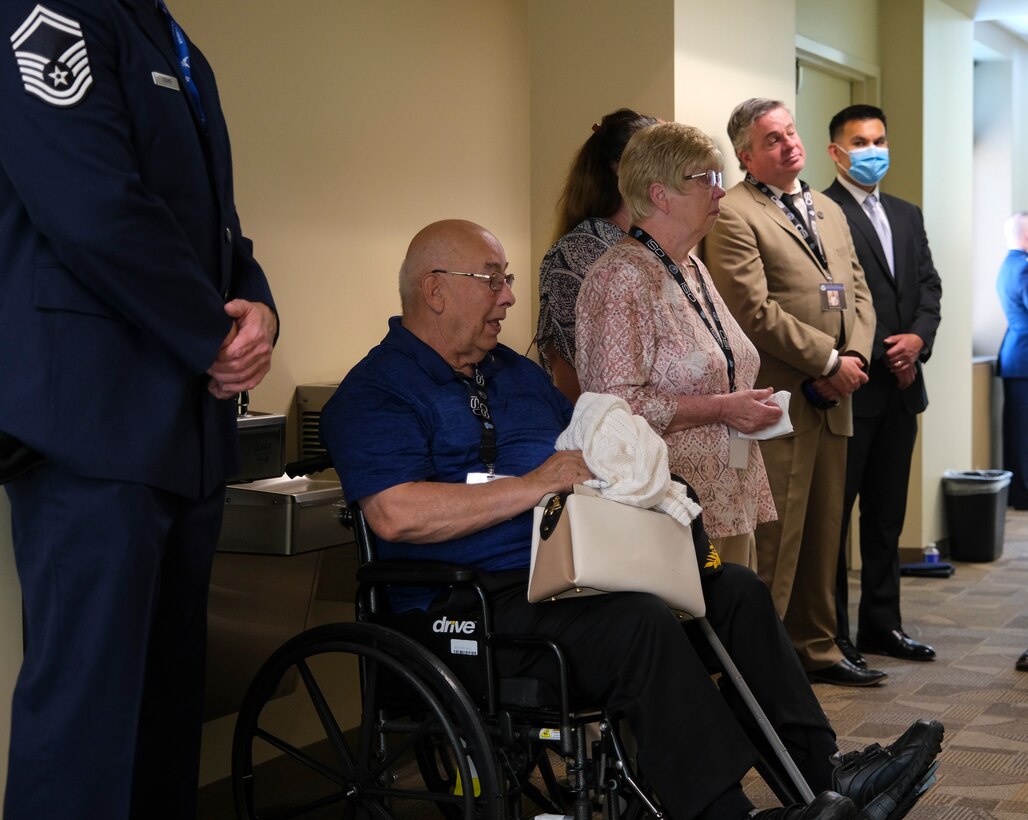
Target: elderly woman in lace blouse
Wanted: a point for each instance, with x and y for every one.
(591, 216)
(652, 329)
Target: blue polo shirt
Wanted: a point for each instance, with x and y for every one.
(403, 414)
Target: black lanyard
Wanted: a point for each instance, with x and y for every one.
(716, 329)
(810, 236)
(479, 403)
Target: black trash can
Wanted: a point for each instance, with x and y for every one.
(976, 508)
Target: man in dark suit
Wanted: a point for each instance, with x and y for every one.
(782, 258)
(889, 236)
(1012, 288)
(132, 312)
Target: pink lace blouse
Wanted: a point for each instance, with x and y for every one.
(640, 339)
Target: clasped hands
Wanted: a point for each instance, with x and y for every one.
(901, 355)
(843, 381)
(244, 358)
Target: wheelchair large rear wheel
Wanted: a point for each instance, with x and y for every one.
(331, 722)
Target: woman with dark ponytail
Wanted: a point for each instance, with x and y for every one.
(591, 217)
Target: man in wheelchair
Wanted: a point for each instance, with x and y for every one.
(438, 477)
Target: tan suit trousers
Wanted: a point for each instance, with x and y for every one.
(798, 553)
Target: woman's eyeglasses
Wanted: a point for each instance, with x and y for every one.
(711, 178)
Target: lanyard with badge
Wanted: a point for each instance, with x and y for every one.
(478, 401)
(739, 449)
(833, 294)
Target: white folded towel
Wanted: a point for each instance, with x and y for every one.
(627, 457)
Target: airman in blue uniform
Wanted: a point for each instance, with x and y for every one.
(132, 310)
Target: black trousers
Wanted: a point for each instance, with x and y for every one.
(629, 651)
(108, 706)
(878, 469)
(1015, 440)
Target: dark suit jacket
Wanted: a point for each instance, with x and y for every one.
(1012, 287)
(905, 303)
(120, 245)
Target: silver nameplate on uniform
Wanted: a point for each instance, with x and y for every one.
(165, 81)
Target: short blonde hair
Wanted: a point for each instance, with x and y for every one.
(663, 153)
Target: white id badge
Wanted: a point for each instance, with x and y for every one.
(738, 451)
(483, 478)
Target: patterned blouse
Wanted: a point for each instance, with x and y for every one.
(639, 338)
(560, 276)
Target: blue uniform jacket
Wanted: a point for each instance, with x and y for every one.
(1012, 287)
(119, 243)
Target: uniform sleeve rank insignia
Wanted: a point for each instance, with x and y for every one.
(51, 53)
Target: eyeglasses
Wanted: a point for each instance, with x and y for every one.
(496, 280)
(711, 178)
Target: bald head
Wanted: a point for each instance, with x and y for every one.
(445, 245)
(446, 289)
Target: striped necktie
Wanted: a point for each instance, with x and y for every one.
(881, 224)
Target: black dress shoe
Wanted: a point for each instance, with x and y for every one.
(1022, 662)
(850, 652)
(885, 783)
(895, 644)
(826, 806)
(845, 673)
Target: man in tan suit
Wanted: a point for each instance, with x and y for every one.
(789, 273)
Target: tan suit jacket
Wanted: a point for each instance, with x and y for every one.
(772, 282)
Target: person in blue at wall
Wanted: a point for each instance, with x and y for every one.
(1012, 287)
(409, 447)
(132, 312)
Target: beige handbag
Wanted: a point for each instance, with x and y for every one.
(586, 545)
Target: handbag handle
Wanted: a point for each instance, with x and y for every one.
(551, 515)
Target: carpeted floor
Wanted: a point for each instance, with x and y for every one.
(977, 620)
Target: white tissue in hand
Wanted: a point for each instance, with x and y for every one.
(782, 427)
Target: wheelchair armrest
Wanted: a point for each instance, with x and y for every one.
(415, 573)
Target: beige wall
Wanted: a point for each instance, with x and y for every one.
(354, 124)
(850, 27)
(927, 89)
(585, 63)
(718, 65)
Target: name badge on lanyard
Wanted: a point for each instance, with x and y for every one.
(484, 478)
(738, 450)
(833, 296)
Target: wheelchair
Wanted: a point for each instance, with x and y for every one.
(389, 729)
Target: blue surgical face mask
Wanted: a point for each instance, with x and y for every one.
(867, 165)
